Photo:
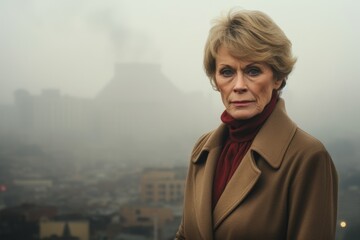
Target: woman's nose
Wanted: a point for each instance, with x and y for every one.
(240, 84)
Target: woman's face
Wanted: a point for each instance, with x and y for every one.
(245, 87)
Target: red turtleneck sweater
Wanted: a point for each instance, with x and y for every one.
(240, 136)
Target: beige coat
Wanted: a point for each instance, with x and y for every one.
(284, 188)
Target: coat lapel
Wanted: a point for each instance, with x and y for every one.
(203, 192)
(240, 184)
(205, 161)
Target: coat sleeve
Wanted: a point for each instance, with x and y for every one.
(313, 198)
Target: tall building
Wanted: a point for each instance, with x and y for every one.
(139, 110)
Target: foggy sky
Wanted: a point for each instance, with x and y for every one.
(73, 45)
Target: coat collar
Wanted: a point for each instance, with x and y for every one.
(271, 143)
(275, 136)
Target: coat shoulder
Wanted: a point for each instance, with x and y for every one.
(303, 141)
(306, 151)
(199, 145)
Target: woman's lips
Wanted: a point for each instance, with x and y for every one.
(241, 103)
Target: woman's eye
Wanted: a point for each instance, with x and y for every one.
(253, 72)
(226, 72)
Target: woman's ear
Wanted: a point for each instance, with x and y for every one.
(278, 83)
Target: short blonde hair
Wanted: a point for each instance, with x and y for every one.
(251, 36)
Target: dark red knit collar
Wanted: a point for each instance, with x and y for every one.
(245, 130)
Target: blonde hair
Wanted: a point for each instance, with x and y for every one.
(250, 36)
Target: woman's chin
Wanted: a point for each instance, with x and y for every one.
(241, 114)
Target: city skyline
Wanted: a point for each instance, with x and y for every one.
(74, 45)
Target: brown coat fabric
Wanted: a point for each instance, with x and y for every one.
(284, 188)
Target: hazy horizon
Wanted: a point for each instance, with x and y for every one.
(74, 45)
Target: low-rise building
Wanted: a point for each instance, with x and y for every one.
(138, 215)
(162, 185)
(61, 229)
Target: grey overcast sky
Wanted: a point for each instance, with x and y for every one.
(73, 45)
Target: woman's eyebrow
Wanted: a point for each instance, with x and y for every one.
(224, 64)
(252, 64)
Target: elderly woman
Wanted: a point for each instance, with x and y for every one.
(258, 175)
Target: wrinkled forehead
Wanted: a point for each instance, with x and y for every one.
(240, 52)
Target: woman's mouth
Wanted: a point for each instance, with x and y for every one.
(243, 103)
